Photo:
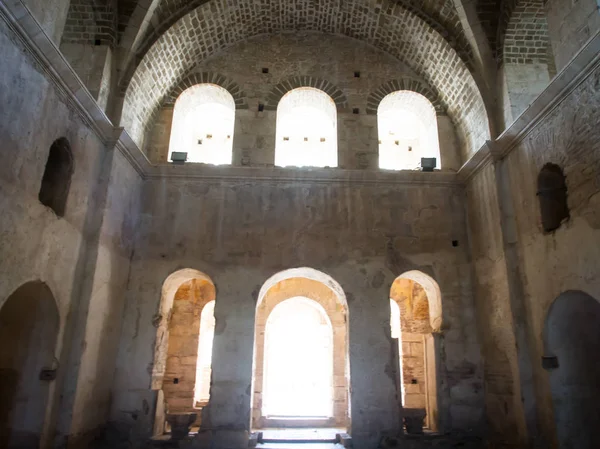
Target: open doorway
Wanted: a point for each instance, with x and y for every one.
(29, 325)
(301, 372)
(183, 352)
(415, 320)
(572, 343)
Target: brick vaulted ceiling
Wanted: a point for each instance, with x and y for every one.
(425, 34)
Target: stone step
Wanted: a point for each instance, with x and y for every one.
(299, 445)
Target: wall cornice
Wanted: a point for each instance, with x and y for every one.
(61, 74)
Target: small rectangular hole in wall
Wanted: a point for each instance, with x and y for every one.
(97, 42)
(199, 141)
(409, 148)
(286, 139)
(176, 380)
(228, 136)
(261, 107)
(306, 139)
(455, 243)
(356, 74)
(322, 139)
(414, 381)
(265, 70)
(396, 142)
(209, 136)
(356, 111)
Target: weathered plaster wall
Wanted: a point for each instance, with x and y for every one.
(82, 257)
(504, 411)
(242, 232)
(330, 58)
(542, 266)
(568, 258)
(51, 14)
(570, 25)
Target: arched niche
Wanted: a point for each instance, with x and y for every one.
(571, 348)
(552, 197)
(415, 319)
(186, 294)
(29, 326)
(54, 189)
(318, 287)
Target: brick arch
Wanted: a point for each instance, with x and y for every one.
(518, 42)
(193, 79)
(441, 15)
(306, 81)
(405, 83)
(216, 25)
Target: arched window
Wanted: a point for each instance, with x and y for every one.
(306, 129)
(552, 195)
(203, 121)
(407, 125)
(57, 177)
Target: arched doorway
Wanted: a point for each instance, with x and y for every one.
(29, 325)
(572, 345)
(298, 369)
(415, 319)
(183, 351)
(301, 372)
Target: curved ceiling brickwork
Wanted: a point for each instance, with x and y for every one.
(221, 23)
(441, 15)
(523, 32)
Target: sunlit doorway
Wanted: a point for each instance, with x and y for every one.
(301, 371)
(298, 363)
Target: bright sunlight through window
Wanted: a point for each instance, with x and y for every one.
(306, 129)
(203, 120)
(407, 125)
(298, 361)
(205, 343)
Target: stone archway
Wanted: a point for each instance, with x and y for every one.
(419, 312)
(320, 290)
(29, 325)
(572, 344)
(180, 371)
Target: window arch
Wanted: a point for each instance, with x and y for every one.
(57, 177)
(306, 129)
(552, 195)
(203, 122)
(407, 125)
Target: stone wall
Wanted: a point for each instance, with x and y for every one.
(331, 59)
(83, 257)
(570, 25)
(241, 232)
(520, 270)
